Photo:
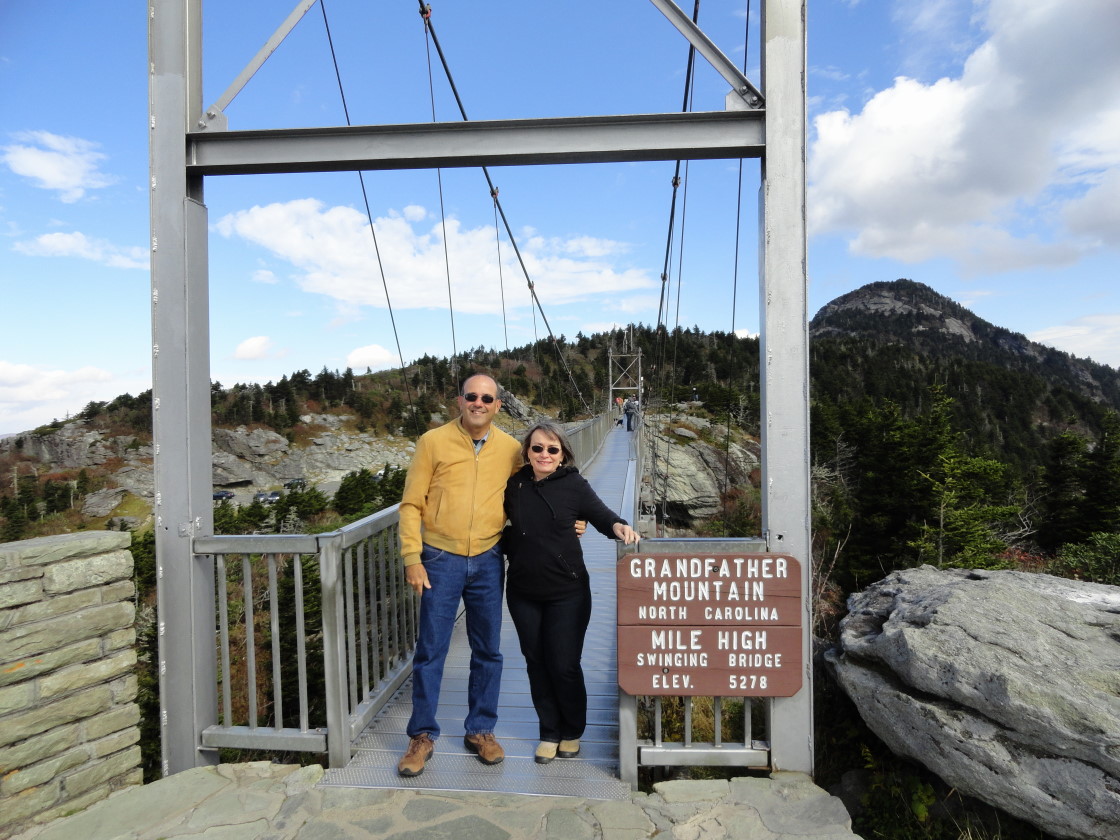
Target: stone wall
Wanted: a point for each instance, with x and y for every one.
(68, 715)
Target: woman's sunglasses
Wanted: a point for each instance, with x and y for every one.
(486, 398)
(552, 450)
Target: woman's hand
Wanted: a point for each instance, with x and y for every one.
(625, 533)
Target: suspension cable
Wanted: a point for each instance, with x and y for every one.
(443, 221)
(501, 280)
(426, 14)
(732, 368)
(373, 233)
(663, 305)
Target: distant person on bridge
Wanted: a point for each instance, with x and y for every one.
(630, 409)
(548, 590)
(451, 520)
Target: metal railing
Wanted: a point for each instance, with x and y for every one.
(315, 634)
(364, 621)
(283, 597)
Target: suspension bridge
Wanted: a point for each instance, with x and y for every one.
(366, 622)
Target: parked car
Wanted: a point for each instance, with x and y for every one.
(295, 484)
(274, 496)
(222, 495)
(263, 498)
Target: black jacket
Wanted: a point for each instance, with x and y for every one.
(545, 557)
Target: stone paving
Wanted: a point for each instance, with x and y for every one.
(263, 801)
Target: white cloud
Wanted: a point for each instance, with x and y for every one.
(84, 247)
(1096, 214)
(333, 249)
(31, 396)
(263, 275)
(592, 327)
(67, 165)
(969, 167)
(257, 347)
(590, 246)
(1095, 337)
(373, 356)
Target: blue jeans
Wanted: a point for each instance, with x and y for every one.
(478, 581)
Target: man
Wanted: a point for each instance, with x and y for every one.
(451, 518)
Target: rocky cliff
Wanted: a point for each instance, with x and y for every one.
(243, 458)
(687, 466)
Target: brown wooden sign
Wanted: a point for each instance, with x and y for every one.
(724, 625)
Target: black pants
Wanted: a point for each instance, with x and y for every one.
(551, 635)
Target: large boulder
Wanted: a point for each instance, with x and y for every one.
(1006, 684)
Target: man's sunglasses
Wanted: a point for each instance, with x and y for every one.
(486, 398)
(552, 450)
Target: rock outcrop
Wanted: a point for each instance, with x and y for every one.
(72, 446)
(688, 472)
(241, 457)
(1006, 684)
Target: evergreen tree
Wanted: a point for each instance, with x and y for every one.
(225, 518)
(27, 496)
(1101, 508)
(84, 484)
(355, 491)
(56, 496)
(1061, 521)
(966, 522)
(15, 520)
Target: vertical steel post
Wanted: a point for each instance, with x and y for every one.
(785, 347)
(180, 388)
(336, 683)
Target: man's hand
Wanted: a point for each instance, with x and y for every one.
(581, 526)
(416, 576)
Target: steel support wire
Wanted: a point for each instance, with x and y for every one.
(426, 14)
(372, 231)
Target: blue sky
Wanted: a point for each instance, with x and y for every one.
(971, 146)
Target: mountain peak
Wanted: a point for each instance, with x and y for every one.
(912, 307)
(903, 312)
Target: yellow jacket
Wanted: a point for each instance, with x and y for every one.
(453, 498)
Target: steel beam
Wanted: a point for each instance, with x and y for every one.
(740, 84)
(784, 347)
(180, 390)
(704, 135)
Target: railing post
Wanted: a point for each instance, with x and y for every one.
(334, 651)
(628, 739)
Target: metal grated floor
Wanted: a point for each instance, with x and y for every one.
(594, 774)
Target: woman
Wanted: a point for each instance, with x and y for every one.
(548, 590)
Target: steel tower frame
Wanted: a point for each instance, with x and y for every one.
(189, 142)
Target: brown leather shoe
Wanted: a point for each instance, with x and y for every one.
(419, 750)
(486, 747)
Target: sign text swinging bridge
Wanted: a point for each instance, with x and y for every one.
(366, 639)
